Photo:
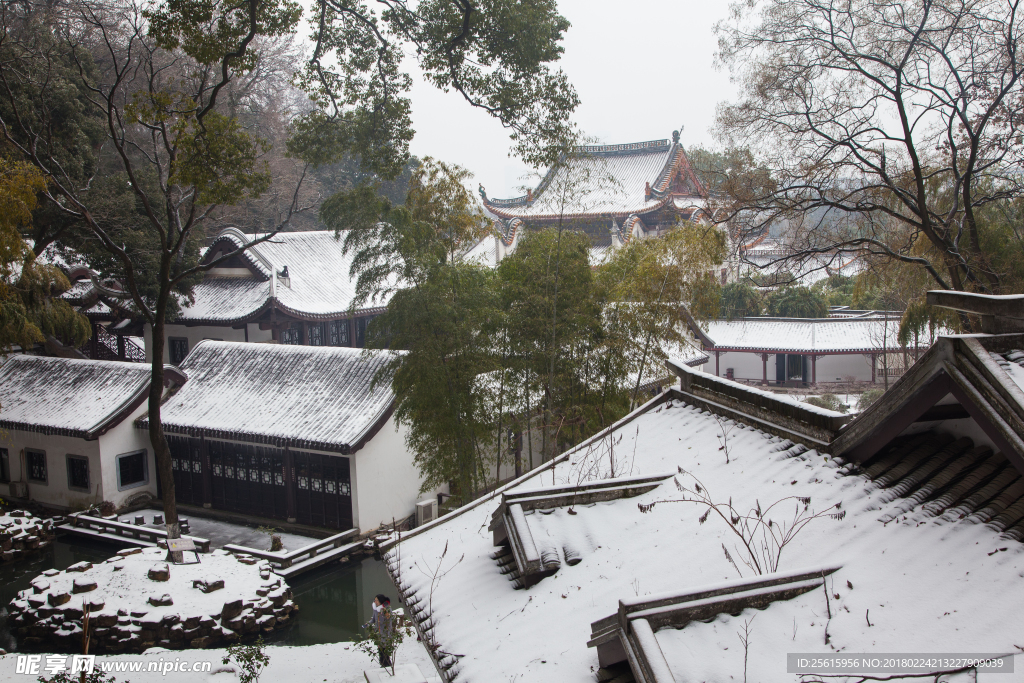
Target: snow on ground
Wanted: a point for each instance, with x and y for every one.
(929, 586)
(221, 533)
(334, 663)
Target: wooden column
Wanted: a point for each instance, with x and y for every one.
(874, 359)
(207, 474)
(518, 437)
(290, 485)
(717, 359)
(120, 347)
(764, 368)
(94, 343)
(814, 370)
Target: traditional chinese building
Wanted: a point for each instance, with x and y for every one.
(614, 193)
(294, 289)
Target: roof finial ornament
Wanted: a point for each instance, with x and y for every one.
(675, 137)
(482, 191)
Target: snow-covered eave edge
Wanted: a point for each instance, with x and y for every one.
(272, 302)
(957, 364)
(347, 447)
(172, 376)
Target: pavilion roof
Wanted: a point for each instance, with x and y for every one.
(610, 180)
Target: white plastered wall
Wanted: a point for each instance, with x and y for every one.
(385, 481)
(126, 438)
(199, 333)
(831, 368)
(55, 492)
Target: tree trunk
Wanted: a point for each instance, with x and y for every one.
(161, 453)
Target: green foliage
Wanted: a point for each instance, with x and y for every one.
(869, 397)
(212, 32)
(250, 659)
(796, 302)
(739, 300)
(828, 401)
(838, 290)
(383, 643)
(497, 55)
(28, 308)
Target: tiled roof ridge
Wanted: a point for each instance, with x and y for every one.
(649, 147)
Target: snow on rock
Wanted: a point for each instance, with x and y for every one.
(138, 600)
(22, 534)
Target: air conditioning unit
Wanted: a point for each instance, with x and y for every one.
(426, 511)
(19, 489)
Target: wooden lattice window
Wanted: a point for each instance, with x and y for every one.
(78, 472)
(36, 461)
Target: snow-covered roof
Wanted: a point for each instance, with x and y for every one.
(608, 180)
(802, 335)
(319, 285)
(318, 397)
(926, 517)
(69, 396)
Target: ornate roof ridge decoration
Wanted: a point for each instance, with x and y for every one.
(650, 146)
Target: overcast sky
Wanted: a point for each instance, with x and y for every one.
(642, 69)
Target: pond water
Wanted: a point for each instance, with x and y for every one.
(333, 600)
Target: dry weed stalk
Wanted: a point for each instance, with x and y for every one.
(762, 539)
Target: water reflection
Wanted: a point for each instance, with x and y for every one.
(333, 600)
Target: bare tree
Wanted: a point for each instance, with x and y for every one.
(886, 126)
(160, 107)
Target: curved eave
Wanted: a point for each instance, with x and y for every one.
(624, 213)
(273, 302)
(815, 352)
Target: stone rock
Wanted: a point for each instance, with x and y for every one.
(129, 551)
(137, 613)
(40, 585)
(96, 603)
(192, 622)
(57, 599)
(160, 572)
(200, 642)
(51, 572)
(83, 585)
(176, 633)
(162, 600)
(231, 610)
(36, 601)
(104, 620)
(171, 619)
(208, 585)
(79, 567)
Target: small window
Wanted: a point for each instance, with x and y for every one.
(36, 466)
(339, 333)
(316, 334)
(361, 324)
(132, 470)
(78, 472)
(292, 334)
(5, 466)
(178, 348)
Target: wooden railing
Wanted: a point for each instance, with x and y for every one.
(283, 560)
(120, 529)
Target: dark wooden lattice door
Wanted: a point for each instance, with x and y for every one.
(187, 466)
(248, 479)
(324, 490)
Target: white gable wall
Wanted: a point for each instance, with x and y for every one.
(197, 334)
(830, 368)
(122, 439)
(385, 482)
